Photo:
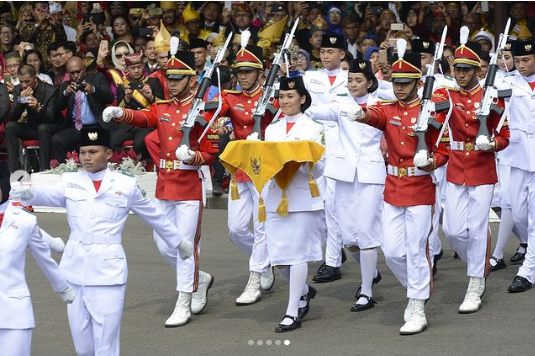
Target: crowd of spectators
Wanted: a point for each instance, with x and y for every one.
(64, 62)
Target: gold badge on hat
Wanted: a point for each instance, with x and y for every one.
(93, 136)
(362, 65)
(291, 84)
(425, 44)
(507, 46)
(255, 165)
(527, 47)
(332, 40)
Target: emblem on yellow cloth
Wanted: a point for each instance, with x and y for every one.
(93, 136)
(255, 165)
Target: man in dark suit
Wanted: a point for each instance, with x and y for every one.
(85, 96)
(33, 117)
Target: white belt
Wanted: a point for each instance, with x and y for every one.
(462, 146)
(175, 164)
(95, 239)
(405, 171)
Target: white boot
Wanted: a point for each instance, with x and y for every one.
(251, 294)
(416, 322)
(408, 310)
(200, 297)
(472, 299)
(267, 280)
(182, 313)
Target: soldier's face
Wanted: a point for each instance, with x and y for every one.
(248, 78)
(331, 57)
(525, 64)
(136, 71)
(290, 102)
(95, 158)
(406, 91)
(466, 77)
(180, 88)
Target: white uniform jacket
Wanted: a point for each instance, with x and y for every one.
(521, 149)
(298, 192)
(357, 154)
(20, 232)
(94, 254)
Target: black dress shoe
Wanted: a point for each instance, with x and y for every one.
(360, 307)
(375, 281)
(320, 268)
(285, 328)
(519, 285)
(456, 256)
(301, 312)
(328, 274)
(500, 264)
(217, 191)
(436, 258)
(344, 257)
(518, 257)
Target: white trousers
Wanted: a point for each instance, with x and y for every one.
(405, 246)
(466, 225)
(240, 213)
(15, 342)
(333, 251)
(522, 188)
(95, 319)
(359, 208)
(435, 245)
(187, 216)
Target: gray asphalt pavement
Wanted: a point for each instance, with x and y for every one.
(504, 326)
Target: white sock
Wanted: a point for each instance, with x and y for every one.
(521, 249)
(368, 262)
(298, 278)
(506, 227)
(285, 272)
(355, 255)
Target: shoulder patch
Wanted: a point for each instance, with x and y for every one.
(233, 91)
(158, 101)
(387, 102)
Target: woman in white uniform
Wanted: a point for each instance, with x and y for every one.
(357, 166)
(295, 239)
(19, 232)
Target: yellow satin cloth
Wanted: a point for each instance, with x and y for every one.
(264, 160)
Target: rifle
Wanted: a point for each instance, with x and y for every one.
(268, 92)
(428, 109)
(492, 94)
(196, 112)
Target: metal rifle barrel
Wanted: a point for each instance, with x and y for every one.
(205, 85)
(491, 75)
(428, 87)
(272, 75)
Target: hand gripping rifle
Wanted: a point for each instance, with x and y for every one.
(268, 92)
(196, 112)
(492, 94)
(428, 109)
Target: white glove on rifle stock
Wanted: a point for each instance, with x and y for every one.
(483, 143)
(112, 112)
(421, 160)
(184, 154)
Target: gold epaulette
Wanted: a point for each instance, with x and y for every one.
(158, 101)
(233, 91)
(387, 101)
(450, 88)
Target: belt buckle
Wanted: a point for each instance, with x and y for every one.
(169, 164)
(469, 146)
(402, 172)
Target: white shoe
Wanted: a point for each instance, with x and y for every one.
(182, 313)
(57, 245)
(251, 294)
(416, 322)
(472, 299)
(267, 279)
(408, 311)
(200, 297)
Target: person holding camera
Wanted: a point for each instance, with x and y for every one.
(136, 92)
(32, 117)
(85, 96)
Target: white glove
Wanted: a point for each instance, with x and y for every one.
(483, 143)
(57, 245)
(421, 159)
(112, 112)
(22, 193)
(185, 249)
(355, 113)
(67, 295)
(184, 154)
(253, 137)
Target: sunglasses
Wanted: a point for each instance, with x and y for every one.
(121, 55)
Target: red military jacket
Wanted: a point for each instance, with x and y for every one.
(396, 120)
(168, 116)
(239, 106)
(470, 167)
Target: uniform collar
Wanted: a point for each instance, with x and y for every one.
(362, 99)
(253, 92)
(530, 79)
(184, 101)
(472, 91)
(410, 104)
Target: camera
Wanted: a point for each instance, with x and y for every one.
(80, 87)
(22, 99)
(146, 32)
(135, 85)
